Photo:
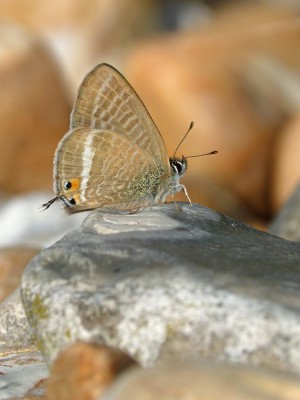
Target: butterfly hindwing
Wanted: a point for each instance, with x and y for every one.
(89, 177)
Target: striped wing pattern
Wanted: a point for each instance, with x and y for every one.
(107, 101)
(113, 155)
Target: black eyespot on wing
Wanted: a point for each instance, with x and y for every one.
(67, 185)
(72, 201)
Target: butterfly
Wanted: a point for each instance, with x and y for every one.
(113, 155)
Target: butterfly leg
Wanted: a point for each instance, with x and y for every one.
(186, 193)
(176, 205)
(135, 211)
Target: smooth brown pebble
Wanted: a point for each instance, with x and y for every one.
(84, 371)
(83, 32)
(34, 111)
(196, 380)
(286, 164)
(13, 260)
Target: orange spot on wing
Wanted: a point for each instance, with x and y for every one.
(75, 184)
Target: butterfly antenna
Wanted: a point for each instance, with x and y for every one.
(205, 154)
(180, 143)
(198, 155)
(48, 204)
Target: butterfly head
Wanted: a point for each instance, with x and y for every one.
(178, 165)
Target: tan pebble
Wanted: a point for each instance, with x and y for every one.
(84, 371)
(13, 260)
(34, 111)
(194, 380)
(80, 32)
(285, 171)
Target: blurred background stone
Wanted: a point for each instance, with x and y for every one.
(15, 332)
(85, 371)
(203, 380)
(27, 365)
(285, 173)
(34, 111)
(13, 260)
(287, 222)
(83, 33)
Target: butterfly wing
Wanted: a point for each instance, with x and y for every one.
(86, 176)
(106, 101)
(113, 156)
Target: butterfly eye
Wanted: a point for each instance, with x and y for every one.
(177, 166)
(67, 185)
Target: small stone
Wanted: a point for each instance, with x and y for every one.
(34, 110)
(287, 222)
(13, 260)
(84, 371)
(285, 164)
(203, 380)
(22, 374)
(15, 331)
(82, 33)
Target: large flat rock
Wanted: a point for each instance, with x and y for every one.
(163, 283)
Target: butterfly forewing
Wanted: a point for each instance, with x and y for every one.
(107, 101)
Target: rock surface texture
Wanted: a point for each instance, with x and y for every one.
(163, 284)
(22, 373)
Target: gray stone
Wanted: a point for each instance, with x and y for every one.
(162, 283)
(287, 222)
(14, 328)
(22, 373)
